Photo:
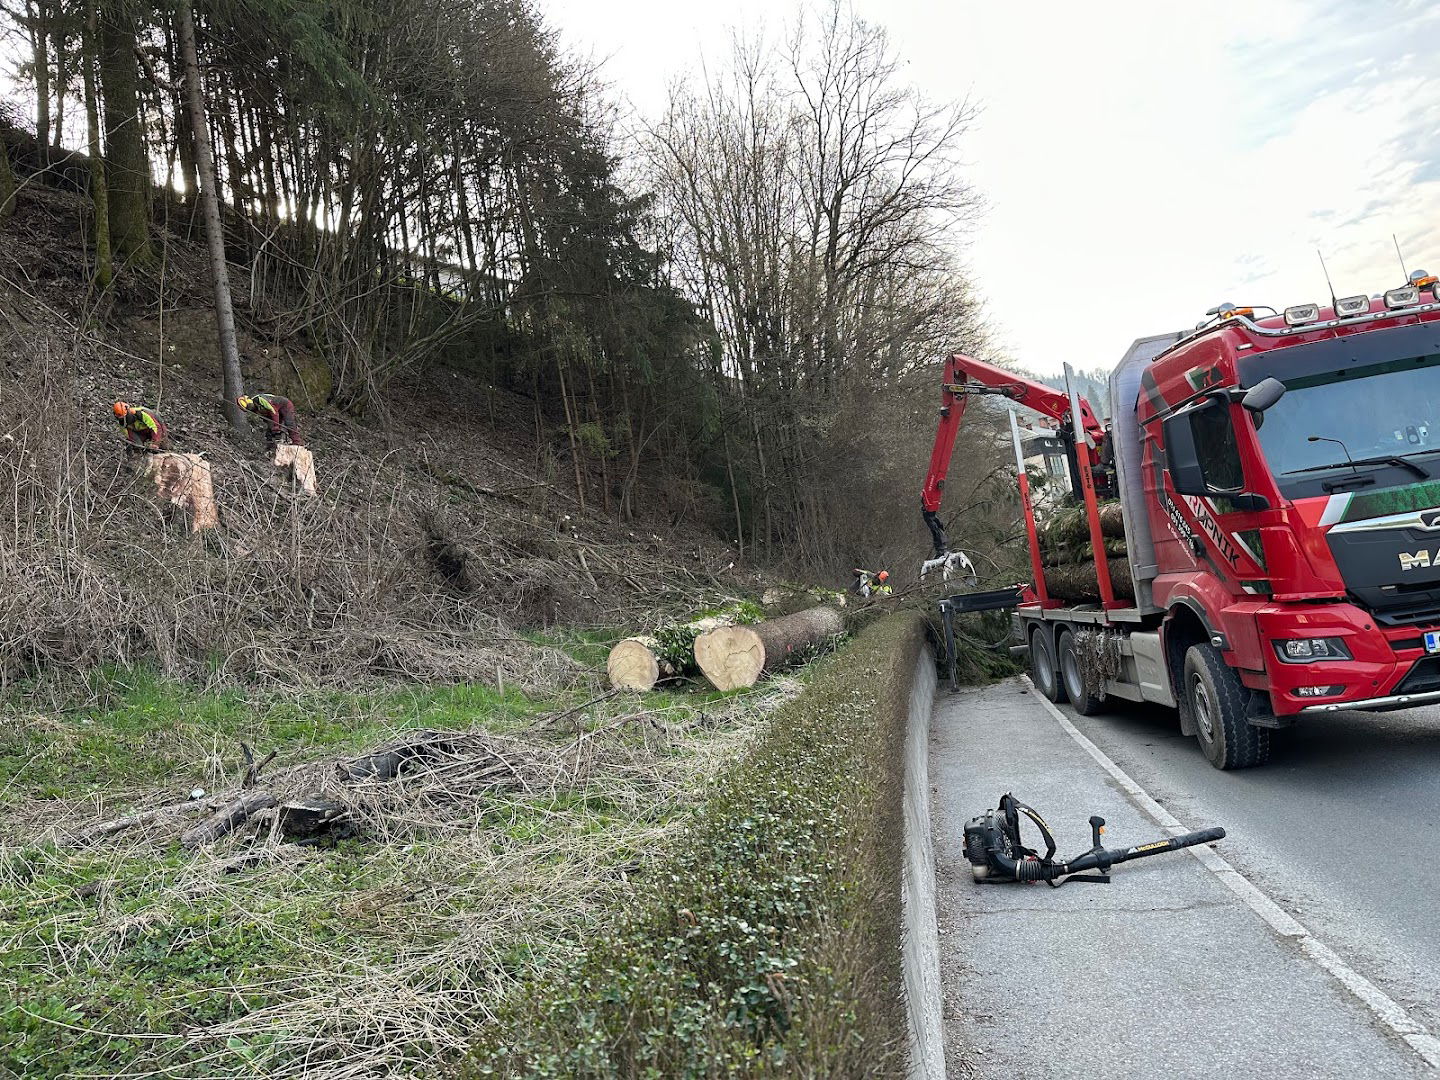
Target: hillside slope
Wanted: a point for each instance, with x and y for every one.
(449, 517)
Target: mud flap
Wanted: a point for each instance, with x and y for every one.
(1260, 713)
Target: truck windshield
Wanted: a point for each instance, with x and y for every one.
(1377, 414)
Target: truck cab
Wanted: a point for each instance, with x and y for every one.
(1280, 478)
(1280, 481)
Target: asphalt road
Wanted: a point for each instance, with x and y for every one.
(1340, 828)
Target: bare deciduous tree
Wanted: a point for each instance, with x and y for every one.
(814, 202)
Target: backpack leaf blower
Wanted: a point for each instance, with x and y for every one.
(996, 853)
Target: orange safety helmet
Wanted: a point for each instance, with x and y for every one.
(884, 575)
(120, 408)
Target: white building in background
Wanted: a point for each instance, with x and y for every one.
(1043, 449)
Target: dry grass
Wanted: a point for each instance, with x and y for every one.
(291, 589)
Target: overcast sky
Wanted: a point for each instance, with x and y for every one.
(1141, 160)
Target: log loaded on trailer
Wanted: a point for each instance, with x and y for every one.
(1278, 477)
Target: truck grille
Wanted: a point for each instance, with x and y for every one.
(1428, 611)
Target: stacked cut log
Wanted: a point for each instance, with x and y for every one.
(1067, 554)
(737, 656)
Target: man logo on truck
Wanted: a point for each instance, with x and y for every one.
(1417, 561)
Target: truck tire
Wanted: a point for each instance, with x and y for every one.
(1216, 700)
(1082, 695)
(1042, 667)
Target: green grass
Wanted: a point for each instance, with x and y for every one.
(264, 959)
(588, 647)
(138, 730)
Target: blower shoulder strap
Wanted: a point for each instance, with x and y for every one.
(1012, 809)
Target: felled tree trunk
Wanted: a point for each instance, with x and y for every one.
(1078, 582)
(634, 664)
(227, 819)
(638, 663)
(414, 753)
(310, 816)
(1072, 553)
(736, 656)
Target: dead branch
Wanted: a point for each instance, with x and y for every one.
(227, 819)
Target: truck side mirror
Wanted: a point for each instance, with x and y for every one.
(1262, 395)
(1182, 460)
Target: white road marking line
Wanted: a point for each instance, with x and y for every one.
(1385, 1008)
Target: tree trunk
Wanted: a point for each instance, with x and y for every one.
(62, 79)
(634, 664)
(39, 26)
(638, 663)
(228, 818)
(127, 175)
(234, 384)
(100, 202)
(736, 656)
(7, 184)
(1077, 582)
(1071, 525)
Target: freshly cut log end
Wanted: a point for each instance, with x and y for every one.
(632, 665)
(732, 657)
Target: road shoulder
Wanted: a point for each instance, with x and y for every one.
(1163, 972)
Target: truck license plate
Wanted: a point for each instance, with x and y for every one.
(1432, 641)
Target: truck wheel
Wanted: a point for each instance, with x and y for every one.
(1082, 695)
(1216, 699)
(1042, 667)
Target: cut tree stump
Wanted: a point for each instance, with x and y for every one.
(298, 464)
(184, 481)
(736, 656)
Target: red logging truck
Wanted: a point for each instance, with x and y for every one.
(1279, 478)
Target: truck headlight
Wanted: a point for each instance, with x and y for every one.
(1309, 649)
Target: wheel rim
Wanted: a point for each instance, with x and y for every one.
(1044, 669)
(1071, 669)
(1204, 713)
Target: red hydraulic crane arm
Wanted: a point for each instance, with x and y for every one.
(964, 377)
